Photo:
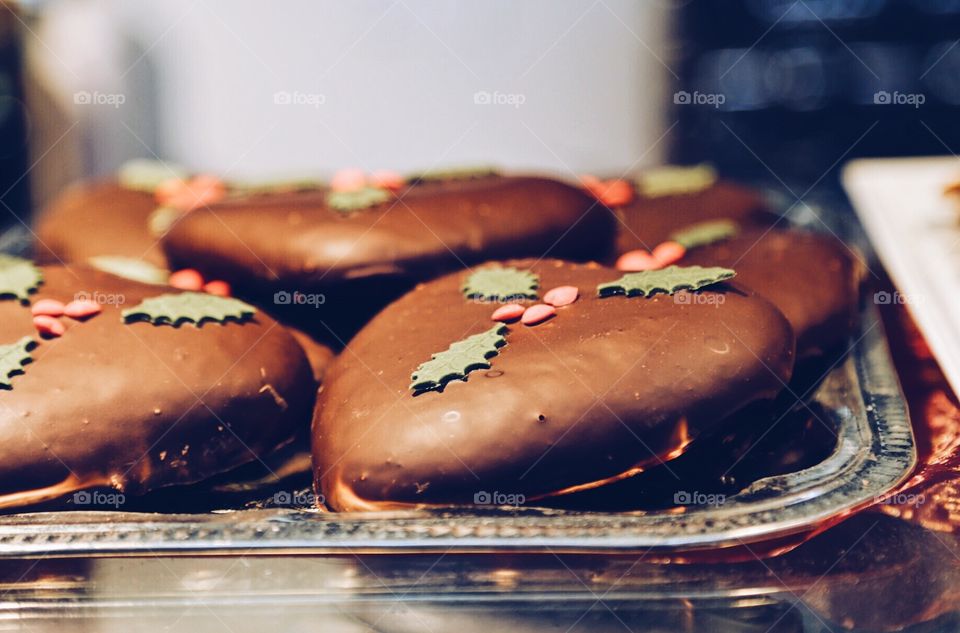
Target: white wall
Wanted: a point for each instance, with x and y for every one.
(384, 83)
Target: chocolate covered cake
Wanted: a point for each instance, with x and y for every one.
(113, 383)
(813, 278)
(360, 247)
(96, 219)
(116, 226)
(126, 216)
(686, 214)
(534, 377)
(667, 198)
(538, 378)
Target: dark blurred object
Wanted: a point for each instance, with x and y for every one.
(14, 184)
(786, 90)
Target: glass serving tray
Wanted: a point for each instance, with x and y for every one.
(857, 404)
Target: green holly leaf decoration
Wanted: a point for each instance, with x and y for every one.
(18, 277)
(458, 360)
(350, 201)
(704, 233)
(262, 187)
(12, 359)
(162, 219)
(668, 280)
(671, 180)
(172, 308)
(130, 268)
(501, 284)
(142, 174)
(452, 173)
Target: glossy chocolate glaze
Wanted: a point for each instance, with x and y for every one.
(606, 386)
(647, 221)
(813, 278)
(115, 404)
(103, 218)
(296, 240)
(97, 218)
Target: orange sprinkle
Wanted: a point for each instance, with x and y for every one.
(82, 308)
(386, 179)
(561, 296)
(669, 252)
(508, 312)
(186, 279)
(636, 261)
(537, 314)
(47, 307)
(197, 192)
(48, 325)
(217, 287)
(615, 193)
(348, 180)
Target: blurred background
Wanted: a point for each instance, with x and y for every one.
(775, 91)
